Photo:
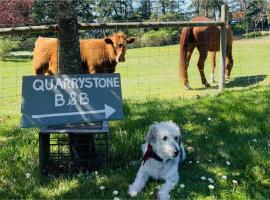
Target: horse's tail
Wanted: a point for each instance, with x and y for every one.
(186, 38)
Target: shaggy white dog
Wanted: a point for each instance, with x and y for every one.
(162, 153)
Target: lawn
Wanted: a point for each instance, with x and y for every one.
(230, 127)
(224, 134)
(153, 71)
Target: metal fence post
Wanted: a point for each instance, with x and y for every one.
(223, 47)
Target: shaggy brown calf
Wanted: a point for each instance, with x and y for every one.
(97, 55)
(45, 56)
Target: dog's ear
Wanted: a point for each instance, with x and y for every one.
(151, 135)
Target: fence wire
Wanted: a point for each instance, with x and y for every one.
(151, 69)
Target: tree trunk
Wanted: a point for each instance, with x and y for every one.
(163, 8)
(70, 63)
(198, 8)
(69, 45)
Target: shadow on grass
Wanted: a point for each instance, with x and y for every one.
(218, 129)
(245, 81)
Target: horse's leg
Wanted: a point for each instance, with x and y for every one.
(213, 66)
(183, 70)
(229, 64)
(188, 57)
(203, 56)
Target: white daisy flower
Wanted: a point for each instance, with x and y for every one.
(209, 118)
(182, 185)
(116, 198)
(203, 178)
(209, 160)
(210, 180)
(102, 187)
(235, 182)
(228, 163)
(27, 175)
(197, 161)
(211, 187)
(115, 192)
(224, 177)
(189, 162)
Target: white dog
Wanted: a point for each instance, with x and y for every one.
(161, 157)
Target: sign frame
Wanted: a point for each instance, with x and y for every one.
(70, 99)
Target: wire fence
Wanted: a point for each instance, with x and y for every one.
(151, 69)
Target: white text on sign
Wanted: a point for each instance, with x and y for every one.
(75, 83)
(73, 99)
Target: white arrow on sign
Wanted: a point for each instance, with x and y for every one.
(108, 110)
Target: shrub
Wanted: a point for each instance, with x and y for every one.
(27, 43)
(159, 38)
(253, 34)
(7, 45)
(239, 28)
(155, 38)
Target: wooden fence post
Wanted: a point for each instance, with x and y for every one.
(223, 47)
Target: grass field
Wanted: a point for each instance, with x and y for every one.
(153, 71)
(230, 127)
(233, 126)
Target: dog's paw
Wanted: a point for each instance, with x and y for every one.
(132, 193)
(163, 196)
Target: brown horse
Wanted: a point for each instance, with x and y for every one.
(205, 39)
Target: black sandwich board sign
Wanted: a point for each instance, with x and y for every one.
(63, 99)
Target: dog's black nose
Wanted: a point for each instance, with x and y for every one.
(176, 153)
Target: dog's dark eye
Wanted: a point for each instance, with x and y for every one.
(176, 138)
(164, 138)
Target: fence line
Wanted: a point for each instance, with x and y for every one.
(96, 26)
(8, 93)
(223, 47)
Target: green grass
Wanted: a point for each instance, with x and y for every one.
(151, 91)
(237, 118)
(153, 71)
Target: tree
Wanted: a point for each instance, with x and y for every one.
(145, 9)
(45, 11)
(85, 10)
(15, 12)
(207, 8)
(256, 14)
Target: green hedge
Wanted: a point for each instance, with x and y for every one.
(253, 34)
(239, 29)
(156, 38)
(8, 44)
